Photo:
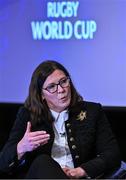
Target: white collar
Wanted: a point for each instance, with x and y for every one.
(59, 119)
(57, 115)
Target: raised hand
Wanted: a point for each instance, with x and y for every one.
(31, 140)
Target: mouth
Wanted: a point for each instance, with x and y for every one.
(63, 98)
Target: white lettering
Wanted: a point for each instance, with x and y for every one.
(36, 30)
(63, 30)
(52, 30)
(75, 8)
(84, 29)
(62, 9)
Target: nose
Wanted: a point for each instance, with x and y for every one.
(60, 88)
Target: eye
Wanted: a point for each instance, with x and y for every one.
(51, 86)
(63, 81)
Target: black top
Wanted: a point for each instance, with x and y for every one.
(90, 139)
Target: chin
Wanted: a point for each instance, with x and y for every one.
(66, 105)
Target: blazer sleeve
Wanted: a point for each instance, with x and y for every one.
(8, 155)
(107, 151)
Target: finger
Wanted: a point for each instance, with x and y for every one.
(37, 133)
(36, 145)
(66, 169)
(72, 173)
(39, 139)
(28, 129)
(42, 140)
(45, 142)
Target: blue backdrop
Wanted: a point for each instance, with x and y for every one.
(87, 36)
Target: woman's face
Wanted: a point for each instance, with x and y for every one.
(59, 100)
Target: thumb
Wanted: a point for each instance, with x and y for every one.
(28, 129)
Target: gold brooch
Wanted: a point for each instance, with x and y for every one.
(82, 115)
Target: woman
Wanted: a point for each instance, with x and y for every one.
(57, 134)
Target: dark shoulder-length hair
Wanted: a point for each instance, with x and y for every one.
(34, 103)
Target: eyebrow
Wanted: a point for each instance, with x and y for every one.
(57, 82)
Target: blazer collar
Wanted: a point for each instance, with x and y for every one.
(78, 111)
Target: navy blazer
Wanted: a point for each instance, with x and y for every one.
(90, 139)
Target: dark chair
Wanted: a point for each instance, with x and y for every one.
(120, 173)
